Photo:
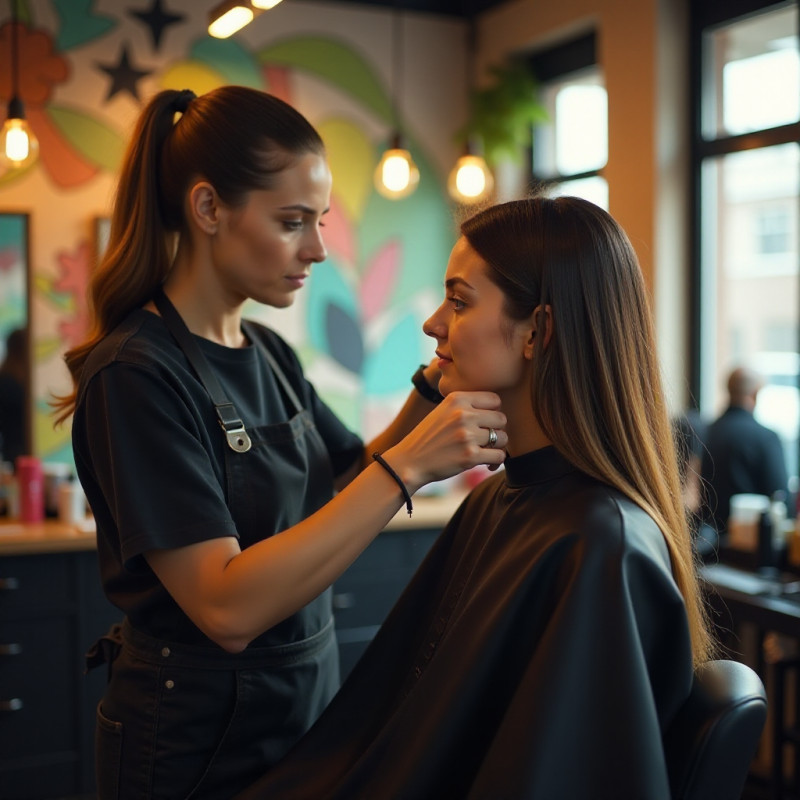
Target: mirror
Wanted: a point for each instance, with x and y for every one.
(15, 365)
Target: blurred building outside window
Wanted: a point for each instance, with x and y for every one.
(749, 211)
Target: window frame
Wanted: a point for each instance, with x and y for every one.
(705, 15)
(553, 64)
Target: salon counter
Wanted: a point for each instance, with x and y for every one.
(50, 536)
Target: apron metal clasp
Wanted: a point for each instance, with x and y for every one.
(238, 439)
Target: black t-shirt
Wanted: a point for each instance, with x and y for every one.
(150, 453)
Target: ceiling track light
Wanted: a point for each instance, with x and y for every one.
(18, 145)
(231, 16)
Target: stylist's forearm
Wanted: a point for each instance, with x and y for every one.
(270, 580)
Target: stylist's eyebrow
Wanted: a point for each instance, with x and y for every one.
(303, 209)
(452, 282)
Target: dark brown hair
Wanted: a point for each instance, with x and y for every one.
(238, 139)
(596, 387)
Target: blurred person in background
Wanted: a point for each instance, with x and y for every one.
(741, 455)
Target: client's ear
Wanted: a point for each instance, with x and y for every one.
(541, 324)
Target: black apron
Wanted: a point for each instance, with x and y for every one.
(180, 721)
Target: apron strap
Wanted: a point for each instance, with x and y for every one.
(252, 335)
(228, 417)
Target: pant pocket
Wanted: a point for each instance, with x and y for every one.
(108, 755)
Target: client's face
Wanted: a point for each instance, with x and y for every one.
(479, 347)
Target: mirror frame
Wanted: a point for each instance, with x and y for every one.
(24, 245)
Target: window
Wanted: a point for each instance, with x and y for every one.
(773, 229)
(747, 163)
(571, 148)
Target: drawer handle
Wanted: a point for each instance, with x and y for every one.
(14, 704)
(9, 584)
(10, 649)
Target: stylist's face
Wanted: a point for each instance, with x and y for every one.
(479, 347)
(264, 249)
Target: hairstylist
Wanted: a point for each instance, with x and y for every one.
(211, 465)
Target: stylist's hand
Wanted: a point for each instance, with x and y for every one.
(453, 437)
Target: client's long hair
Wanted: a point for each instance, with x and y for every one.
(596, 386)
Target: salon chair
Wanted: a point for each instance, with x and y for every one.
(713, 738)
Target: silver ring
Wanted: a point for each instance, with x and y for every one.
(492, 438)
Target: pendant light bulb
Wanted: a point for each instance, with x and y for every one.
(470, 180)
(18, 145)
(397, 175)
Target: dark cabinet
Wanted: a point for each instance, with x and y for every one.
(365, 594)
(51, 610)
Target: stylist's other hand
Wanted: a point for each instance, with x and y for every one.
(453, 437)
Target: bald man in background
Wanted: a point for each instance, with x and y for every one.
(741, 456)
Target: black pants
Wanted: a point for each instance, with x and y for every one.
(189, 722)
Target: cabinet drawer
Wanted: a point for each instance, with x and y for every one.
(38, 680)
(360, 600)
(30, 585)
(51, 777)
(348, 656)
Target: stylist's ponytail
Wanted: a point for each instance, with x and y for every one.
(138, 255)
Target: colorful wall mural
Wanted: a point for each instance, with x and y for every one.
(87, 66)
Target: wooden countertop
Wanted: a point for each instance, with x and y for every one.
(50, 536)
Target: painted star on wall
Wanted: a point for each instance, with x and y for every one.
(157, 19)
(123, 75)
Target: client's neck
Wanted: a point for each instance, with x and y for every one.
(524, 432)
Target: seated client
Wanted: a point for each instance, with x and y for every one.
(551, 634)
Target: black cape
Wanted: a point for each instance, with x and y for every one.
(540, 651)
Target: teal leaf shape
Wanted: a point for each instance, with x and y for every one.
(79, 23)
(345, 344)
(327, 287)
(389, 367)
(335, 63)
(235, 64)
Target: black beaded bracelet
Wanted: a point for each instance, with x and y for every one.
(380, 459)
(424, 388)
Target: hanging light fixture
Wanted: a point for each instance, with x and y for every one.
(396, 175)
(18, 146)
(229, 17)
(232, 15)
(470, 181)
